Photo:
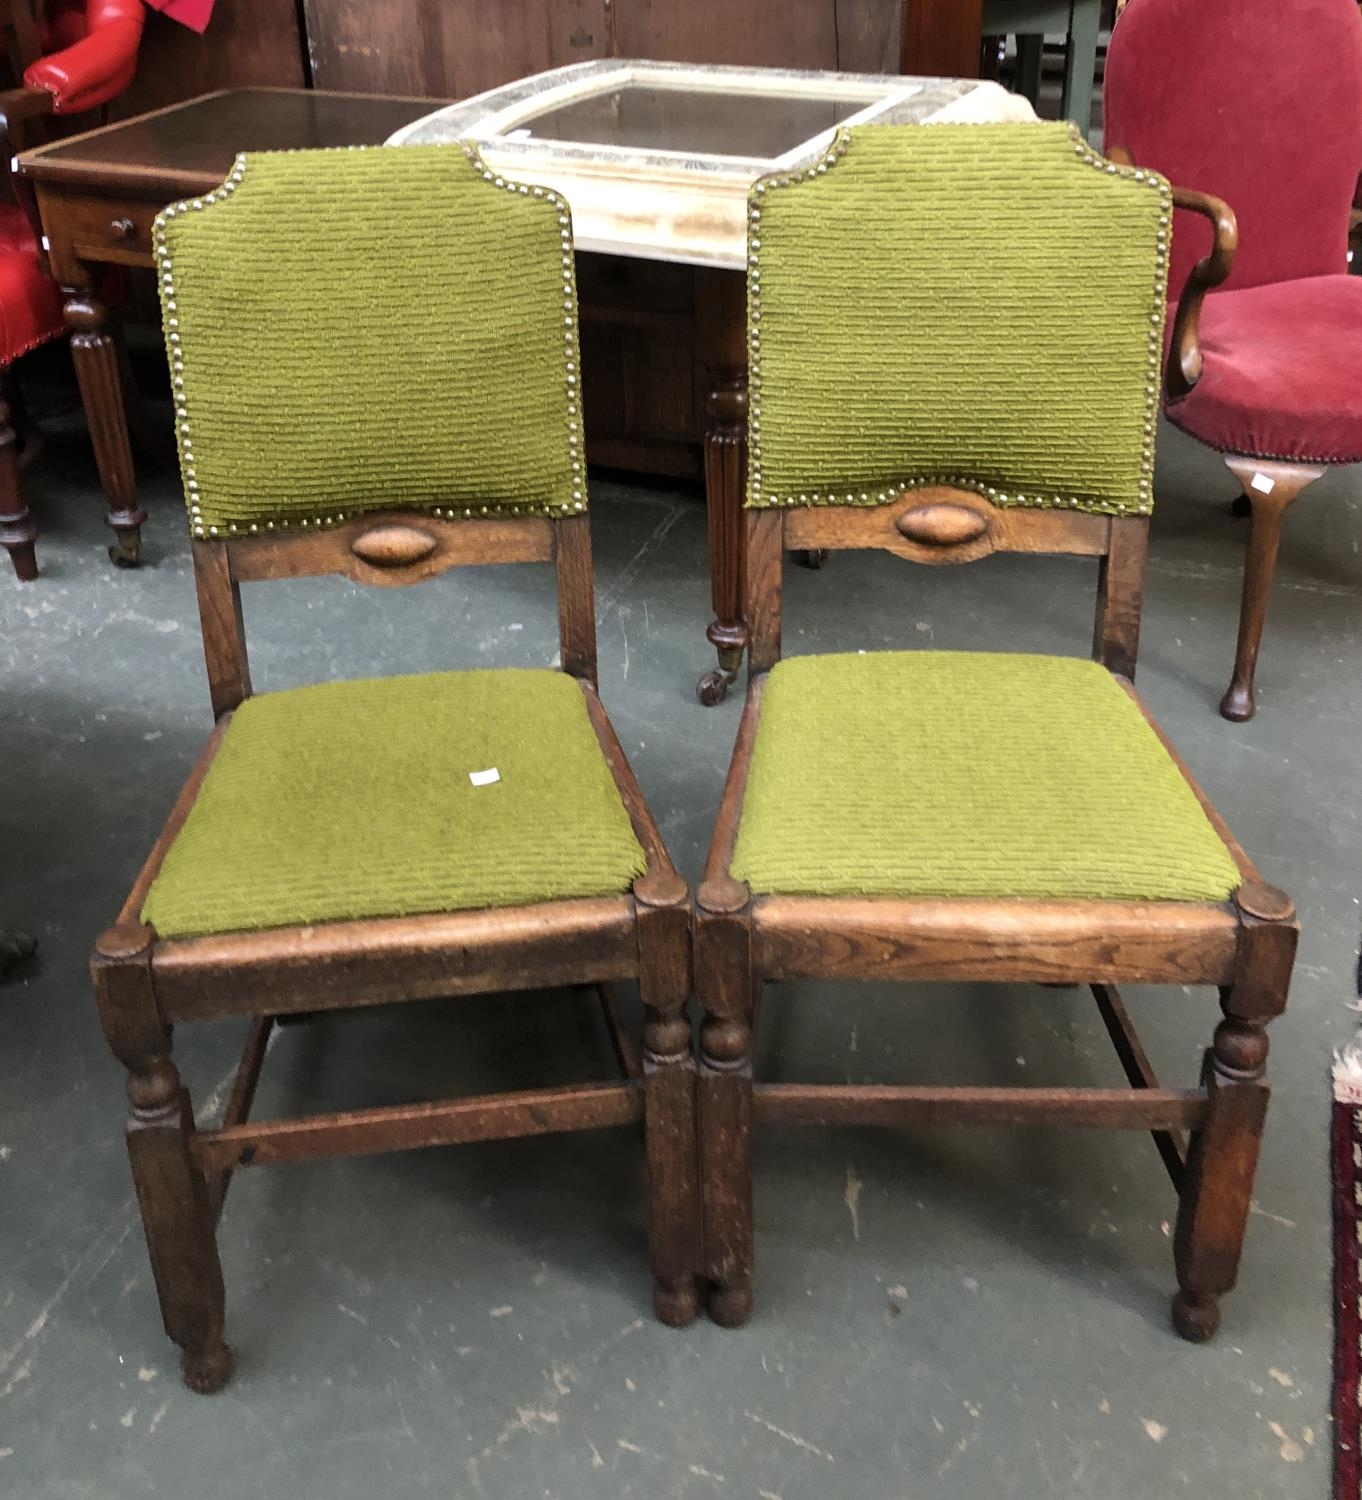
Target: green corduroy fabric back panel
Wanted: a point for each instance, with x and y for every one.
(931, 773)
(978, 304)
(360, 330)
(350, 800)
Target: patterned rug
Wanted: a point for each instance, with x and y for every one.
(1346, 1158)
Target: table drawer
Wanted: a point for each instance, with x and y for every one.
(102, 228)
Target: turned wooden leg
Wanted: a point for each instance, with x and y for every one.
(1269, 487)
(724, 331)
(18, 534)
(673, 1165)
(727, 994)
(178, 1220)
(662, 901)
(177, 1209)
(1223, 1155)
(725, 1090)
(95, 356)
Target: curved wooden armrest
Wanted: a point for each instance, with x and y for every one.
(1184, 355)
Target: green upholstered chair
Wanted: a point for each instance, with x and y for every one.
(374, 358)
(955, 338)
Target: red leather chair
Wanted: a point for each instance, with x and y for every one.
(92, 53)
(1258, 102)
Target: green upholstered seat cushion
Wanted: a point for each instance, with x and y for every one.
(961, 774)
(352, 799)
(362, 330)
(982, 303)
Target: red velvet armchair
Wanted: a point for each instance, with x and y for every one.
(1258, 102)
(88, 54)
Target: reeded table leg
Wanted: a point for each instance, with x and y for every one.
(95, 356)
(722, 318)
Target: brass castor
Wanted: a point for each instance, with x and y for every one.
(713, 687)
(1196, 1317)
(125, 557)
(730, 1306)
(207, 1372)
(676, 1303)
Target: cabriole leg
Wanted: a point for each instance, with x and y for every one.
(1269, 488)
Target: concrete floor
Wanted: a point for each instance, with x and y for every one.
(948, 1314)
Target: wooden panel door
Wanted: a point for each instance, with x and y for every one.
(249, 43)
(448, 49)
(757, 33)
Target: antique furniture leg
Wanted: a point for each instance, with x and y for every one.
(1269, 487)
(177, 1213)
(726, 991)
(669, 1097)
(1223, 1156)
(95, 356)
(18, 534)
(723, 321)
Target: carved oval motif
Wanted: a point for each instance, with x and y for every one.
(942, 525)
(393, 546)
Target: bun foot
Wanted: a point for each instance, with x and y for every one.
(206, 1373)
(1237, 705)
(676, 1303)
(1196, 1317)
(712, 688)
(730, 1306)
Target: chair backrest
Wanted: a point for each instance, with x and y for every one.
(1257, 102)
(955, 335)
(375, 370)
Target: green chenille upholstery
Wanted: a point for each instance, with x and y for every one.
(359, 330)
(977, 303)
(352, 799)
(930, 773)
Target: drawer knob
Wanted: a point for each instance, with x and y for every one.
(124, 229)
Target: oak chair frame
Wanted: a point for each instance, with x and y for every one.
(145, 985)
(1208, 1136)
(1266, 506)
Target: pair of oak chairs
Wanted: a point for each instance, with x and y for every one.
(955, 343)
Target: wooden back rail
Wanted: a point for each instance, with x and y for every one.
(939, 525)
(387, 550)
